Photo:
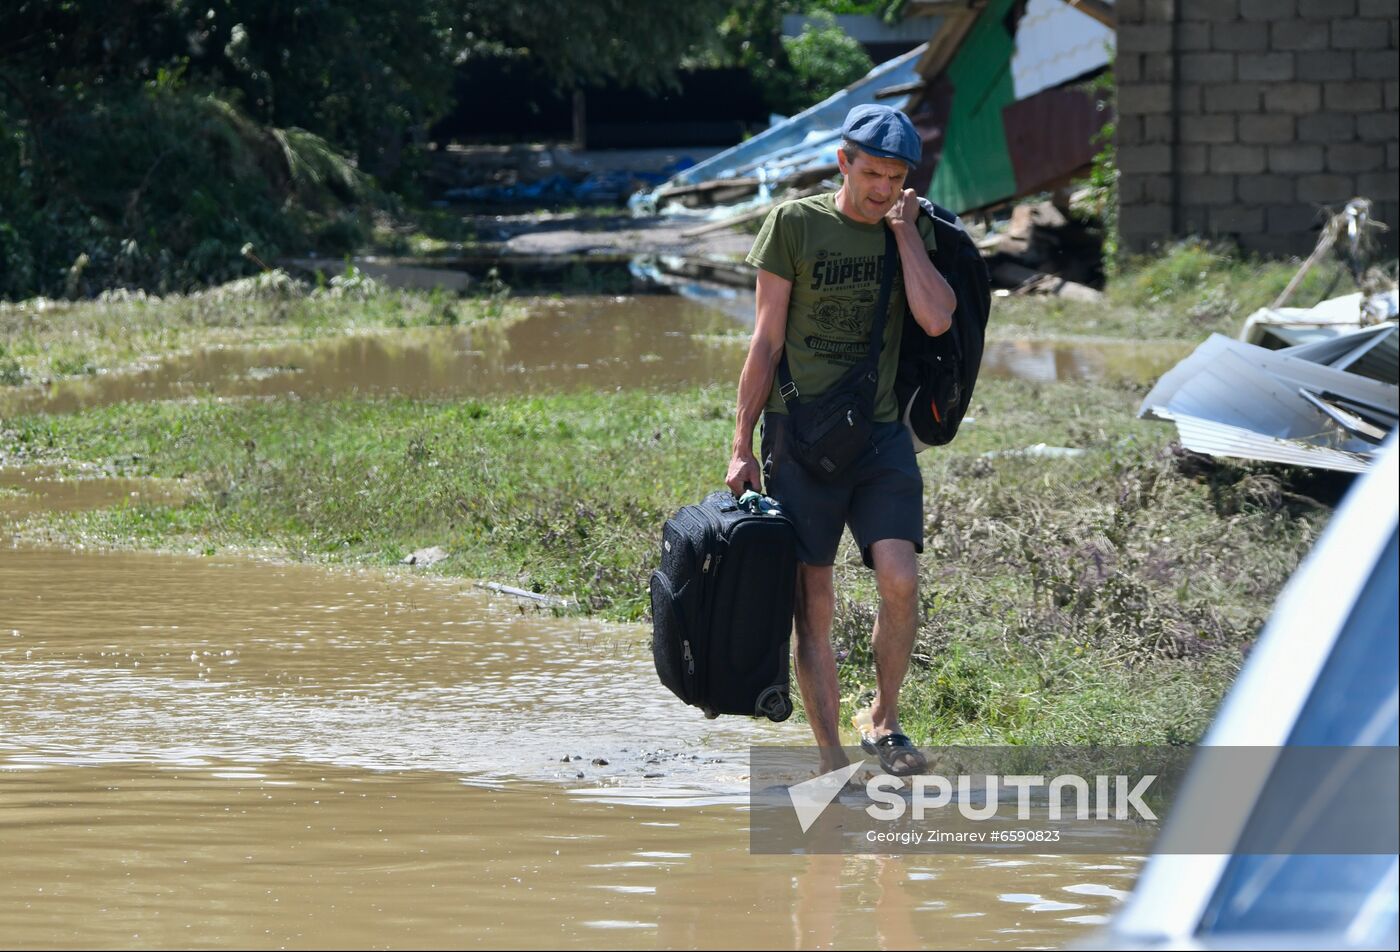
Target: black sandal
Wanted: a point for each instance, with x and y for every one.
(897, 753)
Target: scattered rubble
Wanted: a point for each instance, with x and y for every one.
(1276, 327)
(1316, 386)
(1308, 404)
(425, 557)
(1043, 250)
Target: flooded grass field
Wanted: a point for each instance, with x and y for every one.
(653, 342)
(236, 749)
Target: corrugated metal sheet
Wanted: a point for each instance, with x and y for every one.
(1221, 439)
(1347, 420)
(1372, 352)
(1230, 390)
(1056, 43)
(1381, 362)
(974, 169)
(1051, 136)
(1290, 371)
(1242, 400)
(1300, 325)
(1331, 350)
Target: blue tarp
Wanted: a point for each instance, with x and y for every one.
(598, 187)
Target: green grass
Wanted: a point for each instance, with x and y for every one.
(1189, 290)
(423, 231)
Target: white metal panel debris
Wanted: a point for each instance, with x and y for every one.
(1230, 398)
(1287, 326)
(1371, 352)
(1222, 439)
(1056, 43)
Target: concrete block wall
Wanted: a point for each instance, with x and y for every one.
(1241, 119)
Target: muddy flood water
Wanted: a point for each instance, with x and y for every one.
(583, 343)
(233, 751)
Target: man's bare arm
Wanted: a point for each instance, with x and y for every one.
(756, 381)
(931, 300)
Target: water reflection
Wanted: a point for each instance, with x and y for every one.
(656, 343)
(581, 343)
(1051, 361)
(314, 856)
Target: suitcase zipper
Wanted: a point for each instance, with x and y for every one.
(707, 586)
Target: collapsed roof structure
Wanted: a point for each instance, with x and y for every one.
(997, 95)
(1002, 106)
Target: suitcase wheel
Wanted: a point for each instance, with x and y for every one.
(773, 704)
(709, 714)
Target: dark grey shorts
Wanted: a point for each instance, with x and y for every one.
(881, 498)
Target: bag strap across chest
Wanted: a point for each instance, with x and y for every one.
(787, 388)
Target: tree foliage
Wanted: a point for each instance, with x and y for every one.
(147, 141)
(824, 61)
(356, 72)
(796, 72)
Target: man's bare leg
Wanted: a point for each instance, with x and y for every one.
(815, 661)
(897, 577)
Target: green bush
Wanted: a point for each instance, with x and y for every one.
(823, 60)
(159, 186)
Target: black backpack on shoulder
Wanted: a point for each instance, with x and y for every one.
(936, 374)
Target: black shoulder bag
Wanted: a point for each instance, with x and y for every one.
(933, 385)
(831, 430)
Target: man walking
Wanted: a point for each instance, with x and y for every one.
(820, 262)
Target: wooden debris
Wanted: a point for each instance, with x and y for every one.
(714, 192)
(1023, 280)
(1042, 240)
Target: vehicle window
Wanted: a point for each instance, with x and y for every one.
(1353, 703)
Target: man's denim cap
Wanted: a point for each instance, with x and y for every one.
(885, 132)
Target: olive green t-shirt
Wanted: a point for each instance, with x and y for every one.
(833, 262)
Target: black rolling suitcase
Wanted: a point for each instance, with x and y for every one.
(721, 607)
